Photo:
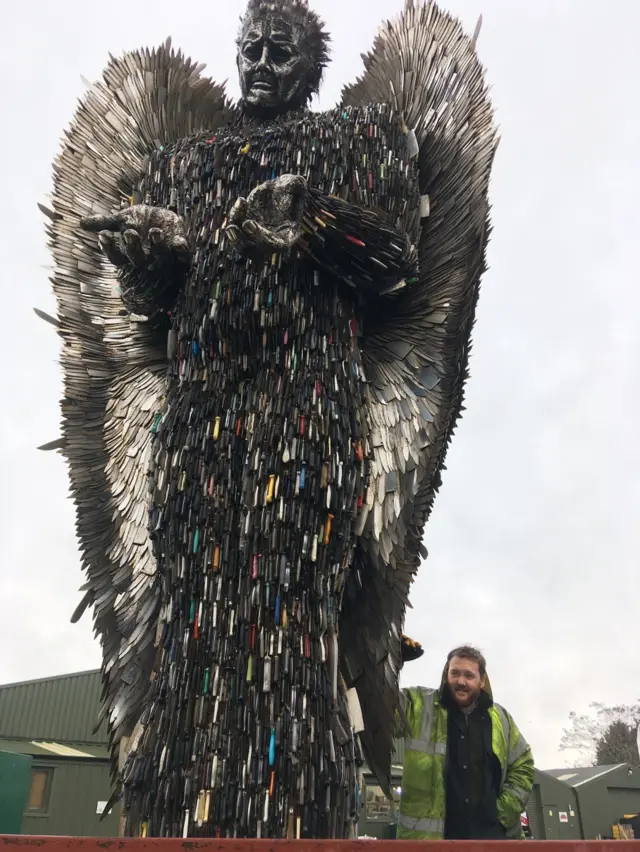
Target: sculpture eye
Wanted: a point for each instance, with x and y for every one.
(280, 54)
(252, 51)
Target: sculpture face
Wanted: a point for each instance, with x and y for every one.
(275, 70)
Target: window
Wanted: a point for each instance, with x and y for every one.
(378, 806)
(40, 791)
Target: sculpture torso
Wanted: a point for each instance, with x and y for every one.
(261, 463)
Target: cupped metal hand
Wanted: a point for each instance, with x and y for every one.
(270, 219)
(142, 237)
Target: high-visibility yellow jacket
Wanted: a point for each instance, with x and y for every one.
(423, 800)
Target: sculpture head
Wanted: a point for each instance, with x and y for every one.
(283, 49)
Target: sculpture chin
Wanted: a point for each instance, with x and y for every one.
(266, 102)
(262, 95)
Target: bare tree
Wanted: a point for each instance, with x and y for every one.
(589, 731)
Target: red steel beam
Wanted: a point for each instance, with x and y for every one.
(19, 842)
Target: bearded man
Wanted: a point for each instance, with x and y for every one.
(264, 358)
(468, 771)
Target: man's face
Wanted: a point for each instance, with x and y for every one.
(273, 73)
(465, 682)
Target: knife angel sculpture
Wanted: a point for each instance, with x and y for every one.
(264, 353)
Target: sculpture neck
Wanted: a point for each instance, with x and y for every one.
(250, 118)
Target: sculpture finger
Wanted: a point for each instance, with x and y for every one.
(97, 223)
(159, 244)
(236, 237)
(181, 249)
(110, 249)
(238, 211)
(133, 247)
(156, 239)
(174, 247)
(257, 236)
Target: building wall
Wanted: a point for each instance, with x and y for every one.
(59, 709)
(62, 710)
(604, 800)
(549, 799)
(624, 801)
(76, 789)
(534, 812)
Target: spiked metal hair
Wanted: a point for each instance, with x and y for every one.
(314, 39)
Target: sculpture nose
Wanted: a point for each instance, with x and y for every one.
(265, 59)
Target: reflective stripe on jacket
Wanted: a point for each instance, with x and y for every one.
(422, 805)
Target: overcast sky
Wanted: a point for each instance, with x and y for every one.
(533, 552)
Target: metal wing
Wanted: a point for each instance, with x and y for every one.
(416, 352)
(113, 368)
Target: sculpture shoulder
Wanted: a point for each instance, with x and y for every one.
(351, 137)
(370, 120)
(372, 137)
(372, 124)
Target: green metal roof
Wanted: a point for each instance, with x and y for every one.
(71, 751)
(583, 775)
(60, 709)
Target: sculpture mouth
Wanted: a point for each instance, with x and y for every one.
(263, 83)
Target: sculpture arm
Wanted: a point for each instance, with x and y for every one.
(360, 221)
(149, 248)
(357, 245)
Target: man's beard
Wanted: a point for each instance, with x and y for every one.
(463, 695)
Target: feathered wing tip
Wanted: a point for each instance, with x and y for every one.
(57, 444)
(43, 315)
(434, 43)
(310, 26)
(50, 214)
(476, 32)
(78, 612)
